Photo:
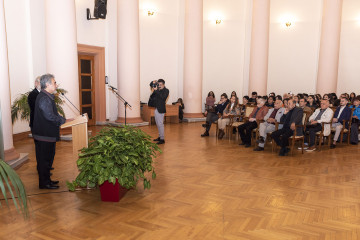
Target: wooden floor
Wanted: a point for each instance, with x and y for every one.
(205, 189)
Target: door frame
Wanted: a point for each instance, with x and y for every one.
(99, 79)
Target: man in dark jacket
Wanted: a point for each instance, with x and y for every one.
(343, 112)
(46, 130)
(32, 98)
(292, 116)
(159, 96)
(212, 117)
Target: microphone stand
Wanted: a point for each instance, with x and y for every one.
(121, 98)
(71, 102)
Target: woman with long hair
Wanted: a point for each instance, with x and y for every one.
(231, 110)
(312, 102)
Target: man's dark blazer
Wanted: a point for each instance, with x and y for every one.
(47, 120)
(296, 117)
(31, 101)
(221, 107)
(345, 115)
(159, 96)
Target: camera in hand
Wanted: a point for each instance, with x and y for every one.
(154, 84)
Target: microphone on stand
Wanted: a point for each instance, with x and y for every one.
(112, 88)
(70, 102)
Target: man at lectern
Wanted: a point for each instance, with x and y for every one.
(46, 130)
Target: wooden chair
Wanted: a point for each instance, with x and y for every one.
(294, 138)
(245, 118)
(320, 135)
(343, 130)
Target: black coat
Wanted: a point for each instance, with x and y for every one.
(47, 119)
(295, 117)
(159, 99)
(31, 101)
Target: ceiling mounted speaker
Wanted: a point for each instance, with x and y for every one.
(100, 9)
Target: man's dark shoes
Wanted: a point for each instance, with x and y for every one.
(157, 139)
(247, 145)
(287, 150)
(54, 182)
(49, 186)
(205, 134)
(258, 149)
(332, 146)
(161, 141)
(282, 152)
(260, 140)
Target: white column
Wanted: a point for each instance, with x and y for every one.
(10, 153)
(259, 51)
(193, 58)
(128, 55)
(61, 49)
(329, 47)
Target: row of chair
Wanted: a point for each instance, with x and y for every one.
(237, 120)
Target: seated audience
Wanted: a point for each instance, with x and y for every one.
(233, 93)
(352, 97)
(270, 102)
(245, 129)
(212, 116)
(354, 133)
(285, 102)
(321, 115)
(231, 110)
(302, 104)
(274, 115)
(311, 102)
(253, 98)
(343, 112)
(292, 116)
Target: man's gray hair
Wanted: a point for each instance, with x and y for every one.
(45, 79)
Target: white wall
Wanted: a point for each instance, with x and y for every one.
(293, 52)
(349, 58)
(224, 44)
(159, 45)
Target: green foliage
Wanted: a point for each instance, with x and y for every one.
(11, 183)
(20, 107)
(123, 153)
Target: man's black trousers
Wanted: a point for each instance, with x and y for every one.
(45, 153)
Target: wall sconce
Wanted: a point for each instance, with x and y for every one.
(288, 24)
(218, 21)
(151, 12)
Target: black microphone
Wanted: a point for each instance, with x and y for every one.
(112, 88)
(70, 102)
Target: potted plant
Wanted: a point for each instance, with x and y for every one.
(20, 106)
(116, 156)
(11, 184)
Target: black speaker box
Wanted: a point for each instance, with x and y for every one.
(100, 9)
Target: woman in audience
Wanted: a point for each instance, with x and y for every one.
(352, 97)
(354, 133)
(317, 99)
(311, 102)
(270, 102)
(285, 101)
(210, 101)
(233, 93)
(231, 110)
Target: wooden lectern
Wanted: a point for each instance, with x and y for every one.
(79, 132)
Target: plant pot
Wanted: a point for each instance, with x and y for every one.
(112, 193)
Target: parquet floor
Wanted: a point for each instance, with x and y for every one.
(205, 189)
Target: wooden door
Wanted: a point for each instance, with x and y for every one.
(87, 87)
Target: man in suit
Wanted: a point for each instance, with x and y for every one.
(46, 130)
(212, 117)
(343, 112)
(245, 129)
(32, 98)
(160, 95)
(274, 115)
(321, 115)
(291, 117)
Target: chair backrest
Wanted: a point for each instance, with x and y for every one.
(304, 118)
(249, 110)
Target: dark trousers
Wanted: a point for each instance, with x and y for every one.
(312, 130)
(210, 119)
(245, 131)
(45, 153)
(281, 137)
(354, 133)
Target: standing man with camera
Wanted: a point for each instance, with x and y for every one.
(158, 98)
